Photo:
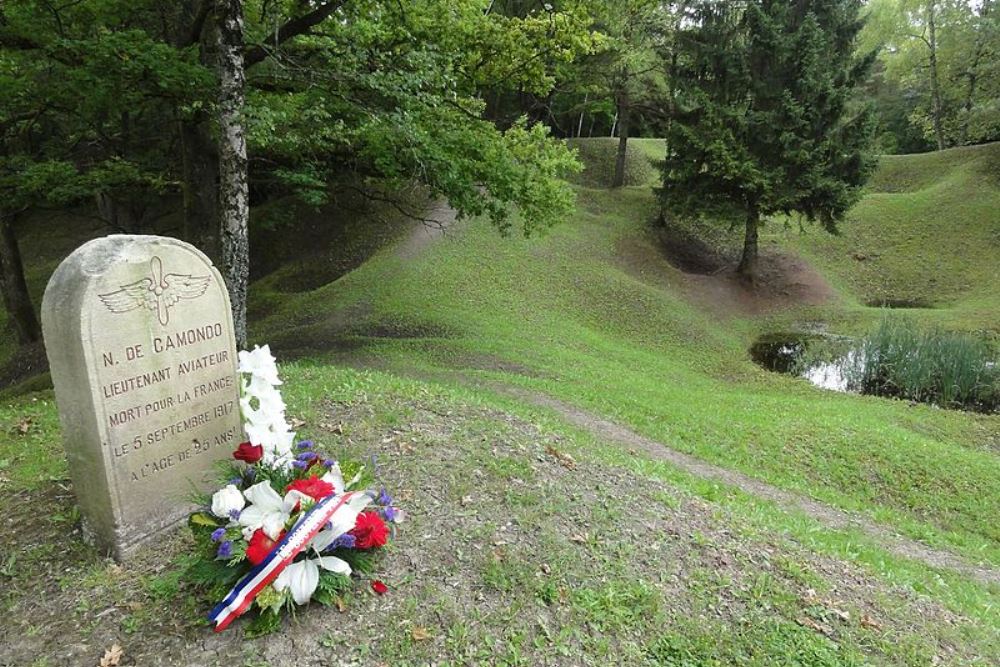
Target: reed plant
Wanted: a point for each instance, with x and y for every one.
(946, 368)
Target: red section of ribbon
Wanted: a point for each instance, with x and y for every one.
(273, 572)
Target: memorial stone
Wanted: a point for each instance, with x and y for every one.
(139, 335)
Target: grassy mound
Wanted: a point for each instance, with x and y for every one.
(565, 314)
(598, 158)
(631, 567)
(927, 234)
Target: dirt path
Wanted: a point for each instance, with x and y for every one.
(830, 517)
(437, 221)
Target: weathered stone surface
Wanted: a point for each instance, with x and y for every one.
(139, 335)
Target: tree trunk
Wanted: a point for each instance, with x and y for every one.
(200, 158)
(623, 129)
(234, 194)
(748, 262)
(972, 73)
(970, 93)
(937, 111)
(16, 298)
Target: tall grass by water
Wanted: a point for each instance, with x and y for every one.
(950, 369)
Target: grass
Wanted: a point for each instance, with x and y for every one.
(572, 318)
(590, 314)
(537, 561)
(927, 232)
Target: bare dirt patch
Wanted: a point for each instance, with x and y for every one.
(706, 276)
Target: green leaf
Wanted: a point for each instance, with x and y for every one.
(203, 519)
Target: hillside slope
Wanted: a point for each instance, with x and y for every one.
(927, 234)
(568, 315)
(595, 471)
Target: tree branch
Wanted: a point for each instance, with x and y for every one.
(198, 24)
(292, 28)
(371, 196)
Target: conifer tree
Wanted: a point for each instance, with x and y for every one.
(763, 120)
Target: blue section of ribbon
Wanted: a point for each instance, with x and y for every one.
(252, 574)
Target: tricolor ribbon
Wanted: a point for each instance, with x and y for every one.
(239, 599)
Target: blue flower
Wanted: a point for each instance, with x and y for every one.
(234, 514)
(307, 456)
(235, 481)
(225, 549)
(345, 541)
(383, 497)
(329, 463)
(218, 534)
(389, 514)
(301, 465)
(250, 473)
(305, 444)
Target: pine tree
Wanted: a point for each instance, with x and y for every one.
(763, 120)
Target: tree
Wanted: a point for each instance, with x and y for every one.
(234, 190)
(141, 104)
(85, 114)
(763, 123)
(943, 55)
(634, 74)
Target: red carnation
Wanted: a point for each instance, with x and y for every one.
(260, 546)
(249, 453)
(313, 487)
(379, 587)
(369, 531)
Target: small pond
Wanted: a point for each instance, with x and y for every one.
(950, 370)
(819, 358)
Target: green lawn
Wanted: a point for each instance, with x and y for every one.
(583, 326)
(591, 314)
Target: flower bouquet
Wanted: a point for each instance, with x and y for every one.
(291, 524)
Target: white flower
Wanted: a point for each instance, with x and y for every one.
(224, 501)
(303, 577)
(335, 477)
(259, 363)
(270, 405)
(267, 511)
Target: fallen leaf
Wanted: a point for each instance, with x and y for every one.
(24, 425)
(813, 625)
(870, 623)
(296, 423)
(420, 634)
(466, 500)
(565, 459)
(112, 656)
(341, 605)
(579, 539)
(338, 428)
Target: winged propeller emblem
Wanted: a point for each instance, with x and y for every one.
(158, 293)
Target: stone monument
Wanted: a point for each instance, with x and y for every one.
(139, 335)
